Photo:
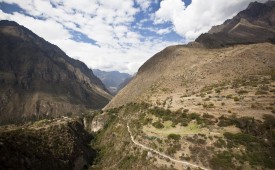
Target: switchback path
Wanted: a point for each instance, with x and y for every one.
(162, 154)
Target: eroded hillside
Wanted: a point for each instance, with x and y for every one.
(183, 71)
(232, 123)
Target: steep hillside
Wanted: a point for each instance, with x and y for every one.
(37, 79)
(190, 101)
(254, 25)
(46, 144)
(183, 71)
(111, 79)
(188, 68)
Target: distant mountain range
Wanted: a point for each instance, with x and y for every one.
(256, 24)
(113, 80)
(37, 79)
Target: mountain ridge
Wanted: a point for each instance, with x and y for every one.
(41, 80)
(255, 24)
(112, 79)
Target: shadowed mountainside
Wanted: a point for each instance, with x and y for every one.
(38, 79)
(46, 144)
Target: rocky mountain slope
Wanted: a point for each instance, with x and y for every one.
(183, 71)
(112, 79)
(37, 79)
(186, 69)
(189, 101)
(254, 25)
(46, 144)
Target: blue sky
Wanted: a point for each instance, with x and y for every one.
(118, 34)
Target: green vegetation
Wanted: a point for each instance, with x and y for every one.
(224, 121)
(174, 137)
(261, 92)
(242, 92)
(222, 160)
(236, 99)
(127, 162)
(256, 136)
(46, 144)
(220, 143)
(180, 116)
(158, 125)
(173, 149)
(210, 105)
(229, 96)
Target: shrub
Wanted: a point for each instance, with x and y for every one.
(224, 121)
(217, 90)
(236, 99)
(194, 116)
(229, 96)
(185, 110)
(207, 116)
(222, 160)
(242, 92)
(210, 105)
(172, 150)
(240, 138)
(69, 114)
(174, 137)
(158, 125)
(147, 121)
(260, 92)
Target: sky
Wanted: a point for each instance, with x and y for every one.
(119, 34)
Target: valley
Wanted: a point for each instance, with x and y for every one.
(206, 104)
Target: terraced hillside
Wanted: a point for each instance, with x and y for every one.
(233, 124)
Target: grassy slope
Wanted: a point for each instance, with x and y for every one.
(225, 131)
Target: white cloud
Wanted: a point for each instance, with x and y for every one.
(48, 29)
(144, 4)
(199, 16)
(114, 27)
(169, 9)
(164, 31)
(117, 46)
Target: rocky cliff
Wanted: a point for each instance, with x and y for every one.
(38, 79)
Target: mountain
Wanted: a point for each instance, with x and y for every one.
(37, 79)
(112, 79)
(194, 106)
(124, 83)
(46, 144)
(254, 25)
(188, 68)
(213, 98)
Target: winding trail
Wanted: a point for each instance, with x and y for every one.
(162, 154)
